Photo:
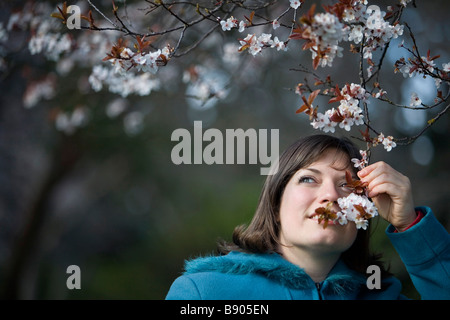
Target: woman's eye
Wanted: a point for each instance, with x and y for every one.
(306, 180)
(345, 186)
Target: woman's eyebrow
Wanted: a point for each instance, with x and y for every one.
(317, 171)
(313, 170)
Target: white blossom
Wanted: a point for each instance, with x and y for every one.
(68, 122)
(295, 4)
(123, 83)
(415, 100)
(446, 67)
(348, 212)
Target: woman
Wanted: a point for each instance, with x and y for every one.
(285, 253)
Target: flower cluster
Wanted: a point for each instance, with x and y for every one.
(69, 122)
(361, 163)
(123, 83)
(357, 208)
(353, 21)
(323, 33)
(347, 114)
(388, 142)
(126, 59)
(44, 89)
(231, 23)
(255, 44)
(424, 65)
(53, 45)
(368, 23)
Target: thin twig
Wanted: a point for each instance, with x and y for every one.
(430, 122)
(102, 14)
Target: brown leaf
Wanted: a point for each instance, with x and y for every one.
(362, 212)
(357, 186)
(62, 13)
(325, 214)
(250, 20)
(338, 95)
(337, 116)
(366, 135)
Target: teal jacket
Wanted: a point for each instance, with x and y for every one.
(424, 249)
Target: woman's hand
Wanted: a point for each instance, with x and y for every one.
(391, 193)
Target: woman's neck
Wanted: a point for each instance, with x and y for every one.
(316, 265)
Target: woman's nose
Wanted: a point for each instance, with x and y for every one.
(329, 193)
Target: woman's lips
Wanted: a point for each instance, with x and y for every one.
(315, 217)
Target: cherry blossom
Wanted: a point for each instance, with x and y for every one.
(429, 63)
(354, 207)
(361, 164)
(255, 44)
(123, 83)
(415, 100)
(348, 112)
(53, 45)
(357, 208)
(404, 2)
(242, 26)
(44, 89)
(295, 3)
(389, 143)
(228, 24)
(69, 122)
(275, 24)
(280, 45)
(446, 67)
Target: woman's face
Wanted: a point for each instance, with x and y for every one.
(308, 189)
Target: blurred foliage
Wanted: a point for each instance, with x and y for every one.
(126, 214)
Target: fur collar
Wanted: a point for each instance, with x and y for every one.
(341, 279)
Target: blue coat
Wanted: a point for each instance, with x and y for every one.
(424, 249)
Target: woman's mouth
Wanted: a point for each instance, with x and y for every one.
(316, 218)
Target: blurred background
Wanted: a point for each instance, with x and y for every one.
(86, 177)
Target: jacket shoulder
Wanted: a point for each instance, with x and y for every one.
(213, 285)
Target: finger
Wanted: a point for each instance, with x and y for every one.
(375, 172)
(401, 186)
(364, 172)
(395, 191)
(378, 177)
(375, 167)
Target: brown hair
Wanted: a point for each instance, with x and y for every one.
(261, 235)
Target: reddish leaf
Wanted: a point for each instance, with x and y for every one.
(302, 109)
(325, 214)
(142, 44)
(62, 13)
(357, 186)
(250, 20)
(337, 116)
(362, 212)
(316, 62)
(366, 135)
(338, 95)
(307, 106)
